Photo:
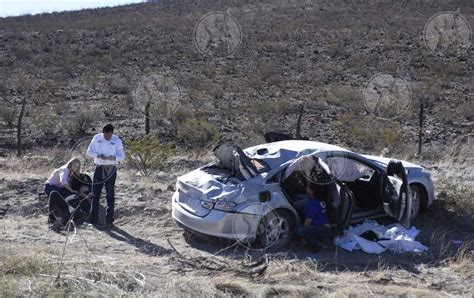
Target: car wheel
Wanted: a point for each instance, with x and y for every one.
(416, 200)
(275, 230)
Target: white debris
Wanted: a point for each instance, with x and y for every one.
(394, 238)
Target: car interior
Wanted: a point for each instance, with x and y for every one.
(356, 189)
(338, 198)
(361, 178)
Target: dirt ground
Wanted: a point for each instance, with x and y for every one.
(147, 253)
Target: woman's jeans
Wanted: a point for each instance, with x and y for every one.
(48, 188)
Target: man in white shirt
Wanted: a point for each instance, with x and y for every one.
(107, 150)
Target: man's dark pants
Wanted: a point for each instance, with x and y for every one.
(315, 235)
(103, 175)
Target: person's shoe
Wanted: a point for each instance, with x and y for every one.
(56, 226)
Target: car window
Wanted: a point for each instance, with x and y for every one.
(348, 169)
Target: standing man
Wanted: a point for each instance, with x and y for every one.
(107, 150)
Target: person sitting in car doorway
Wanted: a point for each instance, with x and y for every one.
(75, 207)
(316, 228)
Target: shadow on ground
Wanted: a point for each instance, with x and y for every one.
(444, 241)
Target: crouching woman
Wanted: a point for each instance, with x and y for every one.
(75, 207)
(60, 178)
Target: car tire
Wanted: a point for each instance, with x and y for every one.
(275, 230)
(416, 200)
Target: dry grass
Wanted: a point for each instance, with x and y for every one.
(97, 263)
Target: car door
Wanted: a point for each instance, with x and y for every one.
(396, 197)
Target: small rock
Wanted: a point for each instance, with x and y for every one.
(170, 188)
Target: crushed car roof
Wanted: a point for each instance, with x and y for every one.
(277, 153)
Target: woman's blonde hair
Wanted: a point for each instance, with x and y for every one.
(73, 160)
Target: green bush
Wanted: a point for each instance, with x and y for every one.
(8, 114)
(197, 133)
(147, 154)
(81, 122)
(366, 132)
(46, 123)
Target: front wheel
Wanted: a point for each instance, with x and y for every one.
(416, 200)
(275, 230)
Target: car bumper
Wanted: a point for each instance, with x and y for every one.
(222, 224)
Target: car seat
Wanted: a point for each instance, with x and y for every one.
(341, 204)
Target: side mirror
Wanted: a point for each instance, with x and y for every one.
(264, 196)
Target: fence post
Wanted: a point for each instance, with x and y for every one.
(420, 131)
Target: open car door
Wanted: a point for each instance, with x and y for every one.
(396, 195)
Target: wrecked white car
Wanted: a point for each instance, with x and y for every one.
(250, 194)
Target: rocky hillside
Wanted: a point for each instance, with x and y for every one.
(78, 70)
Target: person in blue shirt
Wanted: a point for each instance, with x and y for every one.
(316, 225)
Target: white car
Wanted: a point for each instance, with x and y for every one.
(250, 194)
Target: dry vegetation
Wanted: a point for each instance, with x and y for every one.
(148, 254)
(77, 69)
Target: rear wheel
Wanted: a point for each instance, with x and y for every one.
(416, 200)
(275, 230)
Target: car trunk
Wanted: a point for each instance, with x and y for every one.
(207, 184)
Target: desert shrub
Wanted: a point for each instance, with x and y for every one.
(59, 107)
(108, 110)
(265, 69)
(8, 115)
(458, 195)
(197, 133)
(46, 123)
(366, 132)
(118, 86)
(344, 96)
(22, 53)
(147, 154)
(81, 122)
(467, 110)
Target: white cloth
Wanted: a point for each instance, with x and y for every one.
(100, 146)
(394, 238)
(60, 177)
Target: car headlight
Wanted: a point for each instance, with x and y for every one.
(224, 206)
